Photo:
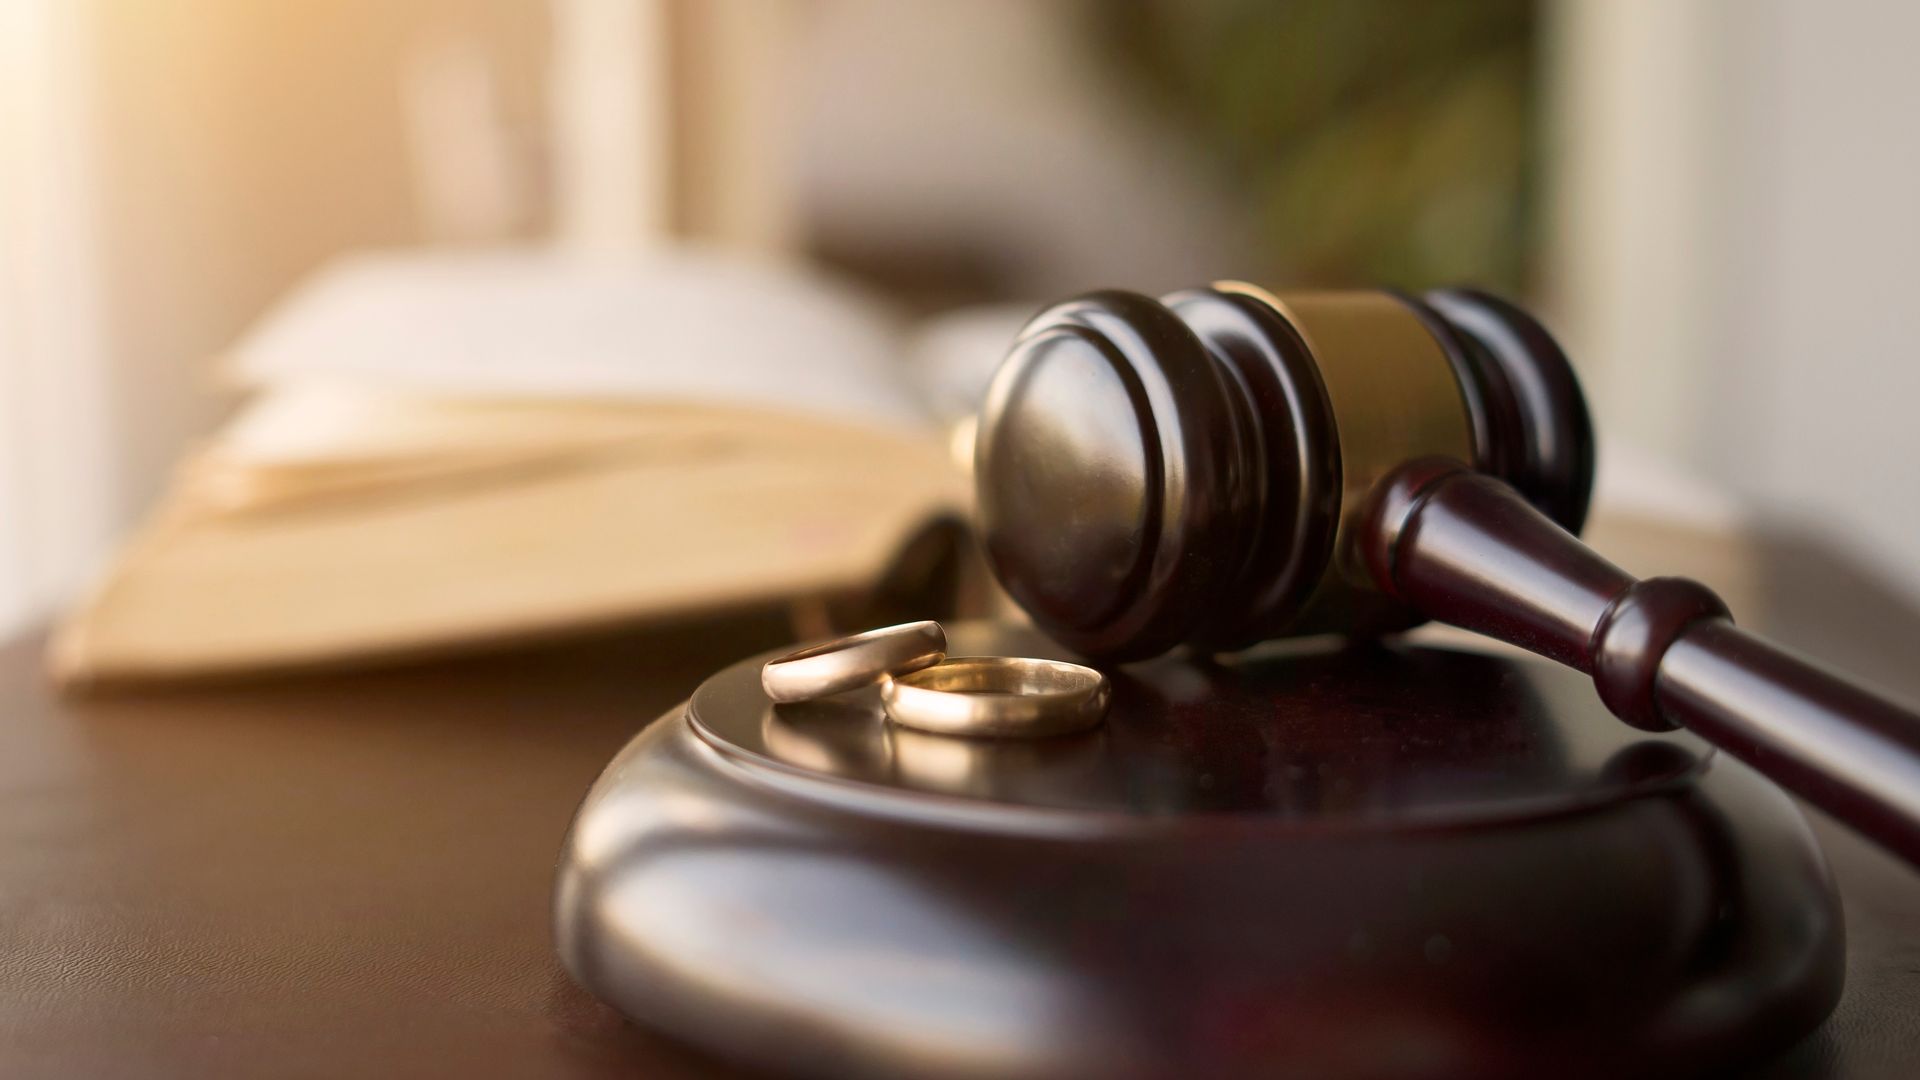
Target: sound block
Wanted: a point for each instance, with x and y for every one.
(1379, 860)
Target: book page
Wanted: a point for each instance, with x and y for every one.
(673, 326)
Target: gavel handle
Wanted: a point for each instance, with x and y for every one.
(1466, 549)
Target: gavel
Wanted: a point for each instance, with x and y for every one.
(1226, 465)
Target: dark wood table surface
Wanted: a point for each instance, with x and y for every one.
(348, 875)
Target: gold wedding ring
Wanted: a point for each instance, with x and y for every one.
(997, 696)
(853, 662)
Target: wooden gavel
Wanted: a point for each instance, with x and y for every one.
(1224, 465)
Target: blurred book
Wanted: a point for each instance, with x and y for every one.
(440, 451)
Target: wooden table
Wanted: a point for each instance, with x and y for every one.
(349, 875)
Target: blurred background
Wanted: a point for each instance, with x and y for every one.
(1711, 201)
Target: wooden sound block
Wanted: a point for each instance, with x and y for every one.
(1329, 860)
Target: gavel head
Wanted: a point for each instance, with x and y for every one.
(1192, 470)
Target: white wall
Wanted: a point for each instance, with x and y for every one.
(57, 484)
(1739, 249)
(1827, 274)
(1633, 158)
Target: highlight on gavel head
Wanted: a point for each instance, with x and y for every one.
(1190, 470)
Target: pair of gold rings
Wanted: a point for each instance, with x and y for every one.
(924, 688)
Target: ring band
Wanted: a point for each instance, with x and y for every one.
(852, 662)
(998, 696)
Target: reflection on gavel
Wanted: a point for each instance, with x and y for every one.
(1224, 465)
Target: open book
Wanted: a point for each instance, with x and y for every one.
(442, 450)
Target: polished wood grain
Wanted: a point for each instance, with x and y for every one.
(1468, 550)
(1338, 860)
(1158, 473)
(1189, 469)
(352, 875)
